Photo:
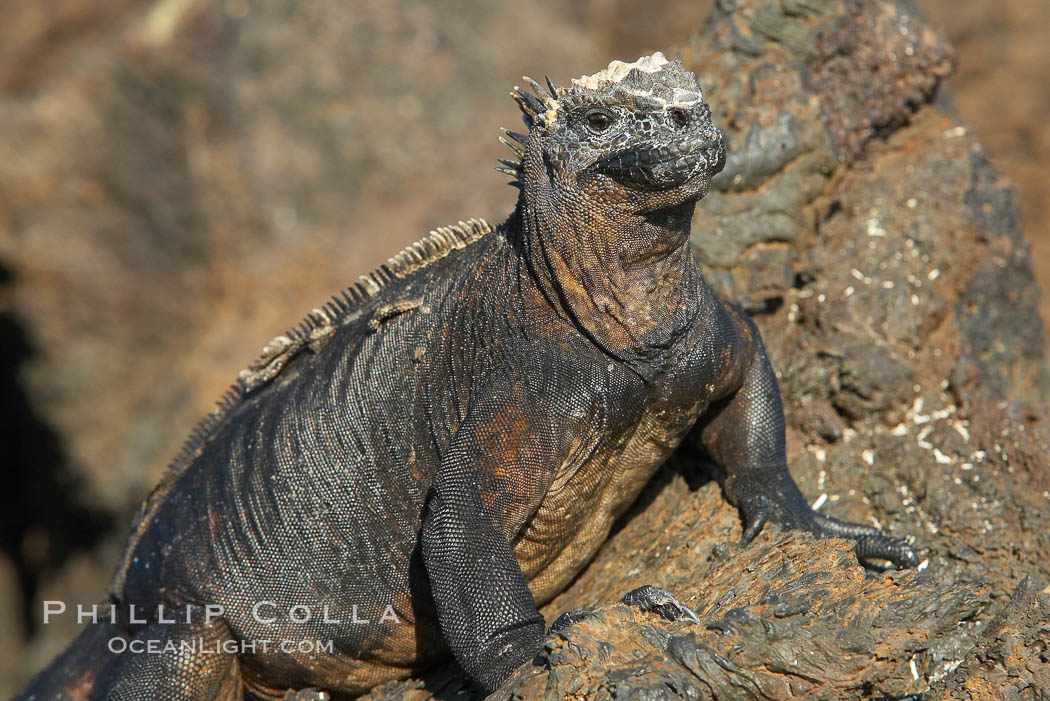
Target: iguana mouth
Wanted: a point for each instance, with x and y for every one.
(655, 168)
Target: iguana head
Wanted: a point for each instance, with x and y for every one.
(636, 137)
(610, 171)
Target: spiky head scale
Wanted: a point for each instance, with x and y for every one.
(650, 77)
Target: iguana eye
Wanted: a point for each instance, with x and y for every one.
(599, 120)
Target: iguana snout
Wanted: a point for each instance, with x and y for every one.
(666, 166)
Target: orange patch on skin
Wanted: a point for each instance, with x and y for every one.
(507, 442)
(82, 687)
(505, 438)
(742, 327)
(414, 467)
(489, 499)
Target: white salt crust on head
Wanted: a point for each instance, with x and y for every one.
(615, 72)
(618, 70)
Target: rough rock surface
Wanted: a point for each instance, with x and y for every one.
(1002, 88)
(862, 224)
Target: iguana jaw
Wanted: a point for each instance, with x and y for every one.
(663, 175)
(662, 167)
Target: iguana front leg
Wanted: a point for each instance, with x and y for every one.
(491, 480)
(744, 434)
(192, 664)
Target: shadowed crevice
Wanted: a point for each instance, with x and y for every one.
(44, 520)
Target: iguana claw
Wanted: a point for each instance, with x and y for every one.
(755, 521)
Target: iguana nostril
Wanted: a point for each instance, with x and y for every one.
(719, 156)
(716, 153)
(679, 116)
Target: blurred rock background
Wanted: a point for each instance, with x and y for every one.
(182, 179)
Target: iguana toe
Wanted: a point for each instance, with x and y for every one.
(881, 547)
(567, 619)
(871, 544)
(660, 601)
(833, 527)
(310, 694)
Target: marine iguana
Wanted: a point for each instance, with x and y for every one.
(441, 448)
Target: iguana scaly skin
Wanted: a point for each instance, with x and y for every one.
(453, 437)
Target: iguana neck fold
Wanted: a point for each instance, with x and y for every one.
(628, 282)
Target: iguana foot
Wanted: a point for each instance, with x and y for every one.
(871, 545)
(656, 600)
(786, 506)
(569, 618)
(306, 695)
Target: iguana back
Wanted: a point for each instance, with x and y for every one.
(306, 488)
